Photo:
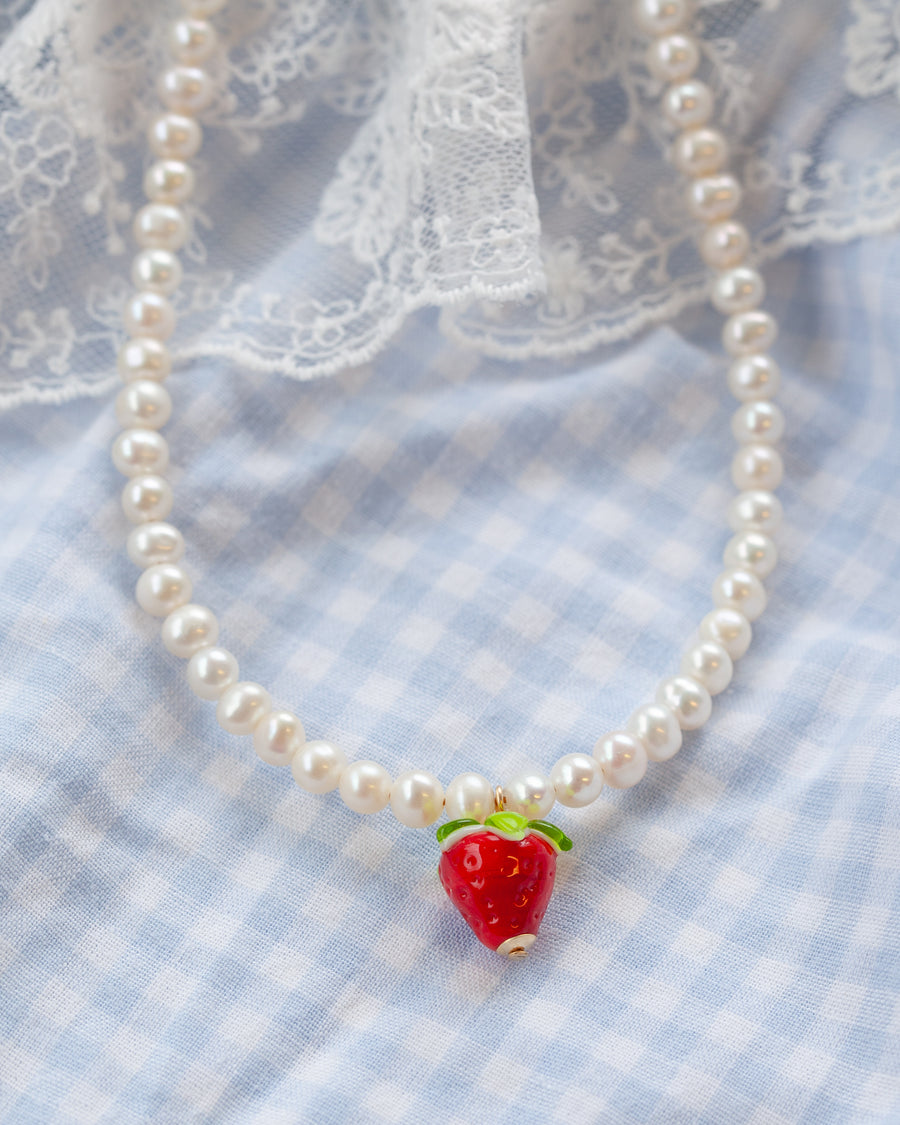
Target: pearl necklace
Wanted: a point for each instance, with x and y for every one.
(479, 813)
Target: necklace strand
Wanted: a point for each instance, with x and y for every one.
(683, 702)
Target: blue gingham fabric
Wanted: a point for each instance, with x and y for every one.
(449, 562)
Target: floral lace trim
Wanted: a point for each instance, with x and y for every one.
(521, 190)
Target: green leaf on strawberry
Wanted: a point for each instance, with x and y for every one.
(557, 835)
(452, 826)
(509, 823)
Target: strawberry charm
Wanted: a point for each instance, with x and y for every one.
(499, 875)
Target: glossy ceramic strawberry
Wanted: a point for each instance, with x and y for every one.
(499, 875)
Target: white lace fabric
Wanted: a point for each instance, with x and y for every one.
(503, 160)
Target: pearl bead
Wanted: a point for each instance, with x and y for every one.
(709, 663)
(757, 466)
(143, 403)
(152, 543)
(660, 17)
(144, 359)
(739, 588)
(687, 699)
(210, 671)
(169, 181)
(755, 510)
(700, 152)
(673, 57)
(754, 378)
(737, 290)
(162, 588)
(241, 706)
(688, 104)
(149, 314)
(188, 629)
(201, 8)
(749, 332)
(530, 794)
(657, 728)
(622, 758)
(147, 498)
(173, 136)
(724, 245)
(192, 40)
(277, 737)
(417, 798)
(729, 629)
(751, 550)
(137, 452)
(156, 270)
(185, 89)
(365, 787)
(160, 226)
(469, 795)
(577, 780)
(317, 766)
(711, 198)
(758, 422)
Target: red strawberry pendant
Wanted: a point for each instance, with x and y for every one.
(499, 875)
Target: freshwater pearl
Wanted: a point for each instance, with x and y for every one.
(156, 270)
(144, 358)
(755, 510)
(710, 664)
(758, 422)
(753, 378)
(729, 629)
(201, 8)
(469, 795)
(749, 332)
(687, 699)
(711, 198)
(147, 498)
(757, 466)
(185, 89)
(530, 794)
(365, 787)
(188, 629)
(192, 41)
(725, 244)
(241, 706)
(577, 780)
(622, 758)
(169, 181)
(417, 798)
(739, 588)
(162, 588)
(317, 766)
(152, 543)
(700, 152)
(657, 728)
(688, 104)
(174, 136)
(149, 314)
(277, 737)
(210, 671)
(751, 550)
(160, 226)
(661, 17)
(673, 58)
(737, 290)
(143, 403)
(137, 452)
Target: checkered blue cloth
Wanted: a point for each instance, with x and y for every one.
(458, 564)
